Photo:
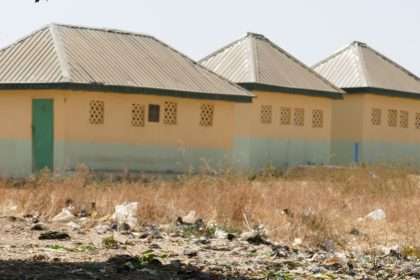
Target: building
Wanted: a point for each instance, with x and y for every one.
(112, 100)
(289, 122)
(378, 122)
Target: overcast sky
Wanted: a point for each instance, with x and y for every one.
(309, 29)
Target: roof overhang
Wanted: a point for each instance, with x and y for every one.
(383, 92)
(126, 90)
(300, 91)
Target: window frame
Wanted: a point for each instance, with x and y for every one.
(153, 116)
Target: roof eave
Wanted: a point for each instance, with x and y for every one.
(383, 92)
(127, 90)
(300, 91)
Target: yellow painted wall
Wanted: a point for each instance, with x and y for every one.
(383, 132)
(118, 129)
(347, 117)
(116, 144)
(71, 119)
(356, 138)
(16, 113)
(248, 121)
(352, 118)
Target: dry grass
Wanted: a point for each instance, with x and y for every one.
(314, 204)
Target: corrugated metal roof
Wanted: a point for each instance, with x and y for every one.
(82, 55)
(255, 59)
(360, 66)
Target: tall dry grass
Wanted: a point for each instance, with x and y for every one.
(314, 204)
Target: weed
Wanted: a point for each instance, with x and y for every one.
(336, 197)
(110, 243)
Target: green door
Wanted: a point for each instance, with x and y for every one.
(42, 134)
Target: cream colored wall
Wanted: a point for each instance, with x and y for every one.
(383, 132)
(347, 116)
(248, 117)
(115, 145)
(71, 119)
(118, 129)
(16, 113)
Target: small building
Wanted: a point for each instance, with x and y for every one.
(289, 122)
(378, 122)
(112, 100)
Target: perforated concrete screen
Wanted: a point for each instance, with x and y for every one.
(97, 112)
(266, 114)
(137, 115)
(170, 113)
(206, 115)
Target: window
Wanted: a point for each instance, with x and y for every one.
(206, 115)
(137, 115)
(392, 118)
(404, 119)
(154, 113)
(266, 114)
(97, 112)
(418, 120)
(376, 116)
(285, 116)
(299, 117)
(170, 113)
(317, 119)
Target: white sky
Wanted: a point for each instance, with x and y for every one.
(309, 29)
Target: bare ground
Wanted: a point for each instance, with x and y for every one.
(314, 226)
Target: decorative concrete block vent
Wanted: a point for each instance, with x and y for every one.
(285, 115)
(137, 115)
(97, 112)
(266, 114)
(206, 115)
(376, 116)
(317, 119)
(392, 118)
(404, 119)
(299, 117)
(418, 120)
(170, 113)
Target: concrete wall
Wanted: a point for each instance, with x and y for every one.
(391, 145)
(378, 144)
(258, 145)
(115, 145)
(347, 128)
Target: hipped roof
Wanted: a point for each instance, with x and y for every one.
(359, 67)
(255, 60)
(111, 60)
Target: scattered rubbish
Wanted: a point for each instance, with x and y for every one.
(64, 216)
(54, 235)
(126, 213)
(376, 215)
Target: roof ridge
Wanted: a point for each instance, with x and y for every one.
(254, 58)
(103, 29)
(222, 49)
(196, 64)
(333, 55)
(363, 64)
(399, 66)
(60, 51)
(309, 69)
(21, 39)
